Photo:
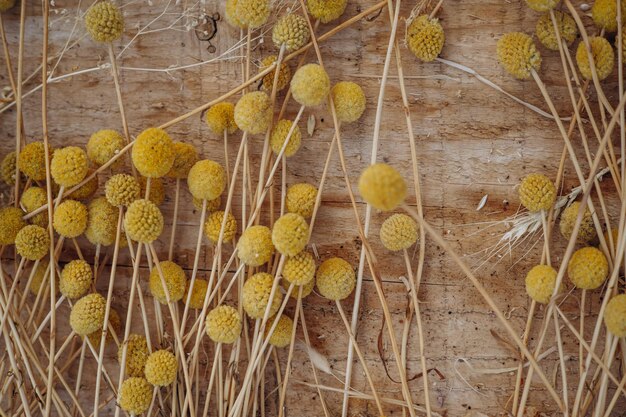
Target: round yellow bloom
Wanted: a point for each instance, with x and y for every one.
(157, 190)
(70, 218)
(540, 283)
(542, 5)
(425, 38)
(32, 161)
(102, 222)
(279, 136)
(76, 278)
(252, 13)
(116, 324)
(136, 354)
(223, 324)
(221, 117)
(86, 190)
(284, 74)
(326, 10)
(290, 234)
(292, 30)
(135, 395)
(546, 34)
(614, 235)
(198, 293)
(299, 269)
(31, 200)
(32, 242)
(153, 153)
(253, 112)
(256, 294)
(335, 279)
(281, 336)
(604, 14)
(231, 14)
(586, 231)
(213, 226)
(603, 58)
(104, 145)
(206, 180)
(398, 232)
(121, 190)
(10, 224)
(588, 268)
(143, 221)
(175, 282)
(300, 199)
(40, 277)
(161, 368)
(211, 205)
(7, 168)
(306, 288)
(255, 246)
(518, 55)
(6, 5)
(69, 166)
(537, 192)
(104, 22)
(185, 155)
(87, 314)
(310, 85)
(615, 315)
(349, 101)
(382, 186)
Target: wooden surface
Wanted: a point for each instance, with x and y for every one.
(471, 141)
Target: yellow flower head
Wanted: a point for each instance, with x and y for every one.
(546, 34)
(382, 186)
(300, 199)
(310, 85)
(335, 279)
(425, 38)
(253, 112)
(32, 242)
(213, 226)
(206, 180)
(252, 13)
(76, 279)
(603, 58)
(185, 155)
(143, 221)
(70, 218)
(398, 232)
(537, 192)
(211, 205)
(349, 101)
(291, 30)
(32, 161)
(10, 224)
(306, 288)
(281, 336)
(256, 295)
(153, 153)
(221, 117)
(198, 293)
(540, 283)
(615, 315)
(231, 14)
(542, 5)
(7, 168)
(284, 74)
(104, 22)
(116, 324)
(157, 190)
(299, 269)
(6, 5)
(87, 314)
(40, 277)
(31, 200)
(122, 190)
(290, 234)
(255, 246)
(136, 354)
(175, 282)
(279, 137)
(586, 231)
(135, 395)
(69, 166)
(104, 145)
(588, 268)
(223, 324)
(86, 190)
(518, 55)
(102, 222)
(161, 368)
(326, 10)
(604, 14)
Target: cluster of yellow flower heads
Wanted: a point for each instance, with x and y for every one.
(104, 145)
(335, 279)
(143, 221)
(537, 192)
(518, 55)
(223, 324)
(198, 293)
(292, 31)
(221, 118)
(135, 395)
(398, 232)
(102, 222)
(425, 38)
(253, 112)
(70, 218)
(586, 230)
(7, 168)
(206, 180)
(300, 199)
(255, 246)
(349, 101)
(326, 10)
(122, 190)
(256, 295)
(161, 367)
(76, 279)
(32, 242)
(11, 223)
(281, 335)
(588, 268)
(213, 226)
(615, 315)
(604, 14)
(87, 315)
(33, 198)
(32, 161)
(547, 35)
(299, 269)
(185, 156)
(540, 283)
(310, 85)
(153, 153)
(602, 56)
(173, 276)
(69, 166)
(136, 354)
(290, 234)
(104, 22)
(382, 187)
(279, 135)
(284, 74)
